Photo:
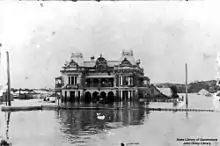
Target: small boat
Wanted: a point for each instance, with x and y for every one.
(50, 99)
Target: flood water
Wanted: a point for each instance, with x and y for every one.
(134, 127)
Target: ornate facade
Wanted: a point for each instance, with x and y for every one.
(102, 79)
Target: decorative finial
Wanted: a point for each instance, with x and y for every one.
(100, 55)
(138, 62)
(92, 58)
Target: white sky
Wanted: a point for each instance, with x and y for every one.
(163, 35)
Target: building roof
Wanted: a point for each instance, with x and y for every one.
(125, 63)
(92, 63)
(218, 93)
(88, 63)
(78, 58)
(113, 63)
(128, 54)
(145, 78)
(22, 92)
(165, 91)
(2, 89)
(40, 91)
(203, 92)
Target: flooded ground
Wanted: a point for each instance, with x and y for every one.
(134, 127)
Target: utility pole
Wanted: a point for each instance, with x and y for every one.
(4, 95)
(9, 86)
(186, 86)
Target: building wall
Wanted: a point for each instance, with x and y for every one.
(79, 79)
(119, 89)
(65, 79)
(118, 86)
(3, 98)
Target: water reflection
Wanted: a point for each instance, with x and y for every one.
(7, 124)
(81, 123)
(187, 116)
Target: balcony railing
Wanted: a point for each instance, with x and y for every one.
(99, 85)
(69, 86)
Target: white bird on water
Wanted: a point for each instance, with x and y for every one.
(100, 117)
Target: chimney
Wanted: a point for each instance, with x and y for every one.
(92, 58)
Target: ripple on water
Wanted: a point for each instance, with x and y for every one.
(114, 125)
(81, 137)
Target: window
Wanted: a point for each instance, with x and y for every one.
(69, 78)
(152, 91)
(72, 80)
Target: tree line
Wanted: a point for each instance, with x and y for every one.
(193, 87)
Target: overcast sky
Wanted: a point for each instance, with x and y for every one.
(163, 35)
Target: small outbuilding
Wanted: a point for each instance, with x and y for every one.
(204, 92)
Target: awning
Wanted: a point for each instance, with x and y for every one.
(144, 78)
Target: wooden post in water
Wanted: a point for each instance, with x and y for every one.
(186, 86)
(8, 124)
(57, 98)
(58, 101)
(9, 86)
(6, 97)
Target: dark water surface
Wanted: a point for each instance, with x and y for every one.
(139, 126)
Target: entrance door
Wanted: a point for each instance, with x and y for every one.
(65, 96)
(125, 95)
(79, 95)
(72, 95)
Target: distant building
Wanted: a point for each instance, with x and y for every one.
(4, 97)
(204, 92)
(100, 78)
